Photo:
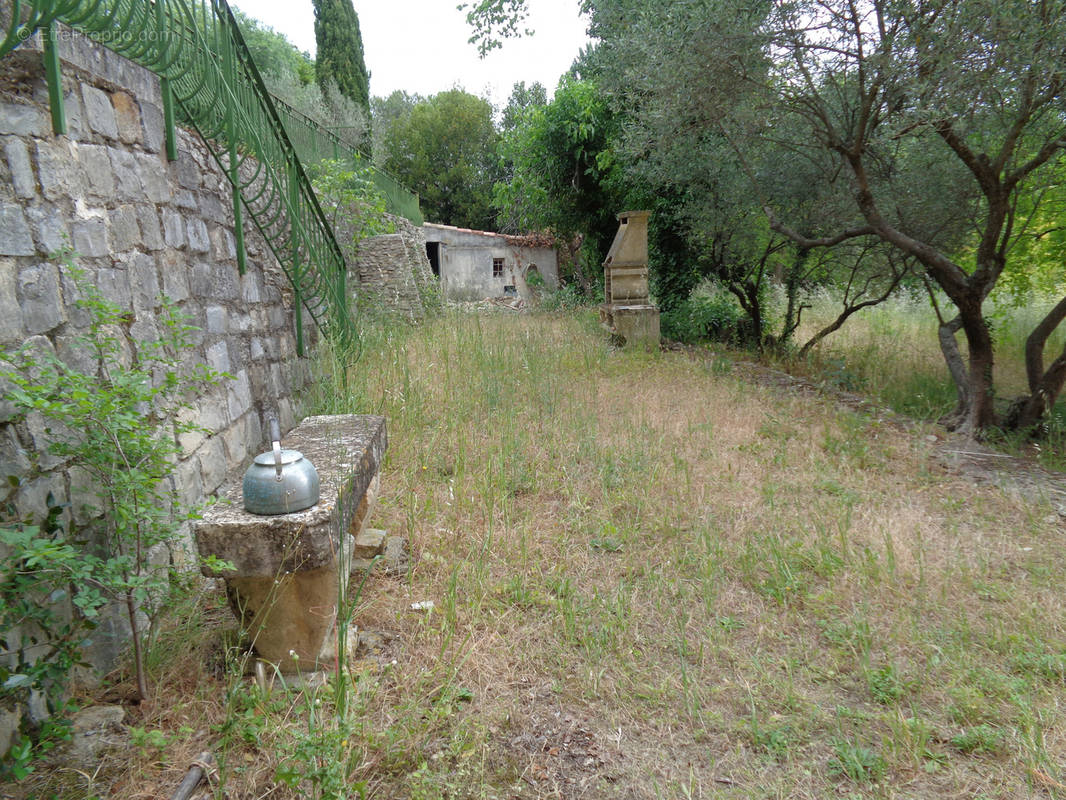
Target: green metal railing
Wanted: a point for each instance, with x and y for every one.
(209, 80)
(314, 143)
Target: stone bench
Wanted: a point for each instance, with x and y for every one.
(284, 582)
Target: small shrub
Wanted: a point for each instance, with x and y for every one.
(703, 316)
(852, 760)
(982, 738)
(886, 686)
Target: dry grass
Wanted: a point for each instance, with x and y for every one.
(654, 579)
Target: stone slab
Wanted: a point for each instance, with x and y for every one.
(346, 450)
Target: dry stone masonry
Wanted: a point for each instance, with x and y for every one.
(142, 227)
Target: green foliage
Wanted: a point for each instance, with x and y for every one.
(493, 20)
(116, 420)
(444, 148)
(858, 762)
(703, 316)
(981, 738)
(274, 55)
(339, 51)
(566, 178)
(352, 202)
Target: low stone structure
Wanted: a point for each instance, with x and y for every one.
(284, 583)
(393, 271)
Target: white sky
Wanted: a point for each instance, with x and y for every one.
(421, 46)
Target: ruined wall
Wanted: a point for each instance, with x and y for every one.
(141, 226)
(392, 270)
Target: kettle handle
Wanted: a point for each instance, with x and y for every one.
(275, 440)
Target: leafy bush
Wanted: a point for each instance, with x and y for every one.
(117, 420)
(703, 316)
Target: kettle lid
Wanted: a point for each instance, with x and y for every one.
(287, 457)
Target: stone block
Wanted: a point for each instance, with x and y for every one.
(50, 227)
(186, 199)
(368, 543)
(188, 173)
(127, 118)
(60, 174)
(19, 119)
(154, 132)
(196, 235)
(151, 233)
(15, 236)
(239, 395)
(175, 276)
(90, 237)
(217, 318)
(213, 413)
(7, 406)
(189, 440)
(154, 177)
(144, 281)
(84, 504)
(127, 175)
(188, 484)
(218, 356)
(77, 128)
(173, 229)
(223, 244)
(213, 466)
(255, 349)
(235, 440)
(14, 460)
(18, 163)
(31, 499)
(114, 284)
(40, 298)
(251, 287)
(212, 207)
(99, 113)
(75, 354)
(125, 233)
(99, 174)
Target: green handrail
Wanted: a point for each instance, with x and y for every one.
(197, 50)
(314, 143)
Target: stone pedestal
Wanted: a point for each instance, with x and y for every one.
(628, 311)
(284, 583)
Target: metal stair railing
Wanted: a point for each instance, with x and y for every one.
(208, 77)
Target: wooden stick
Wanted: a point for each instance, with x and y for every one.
(200, 768)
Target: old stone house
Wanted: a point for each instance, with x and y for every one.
(473, 264)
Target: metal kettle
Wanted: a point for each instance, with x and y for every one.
(279, 481)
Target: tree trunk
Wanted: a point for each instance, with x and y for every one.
(981, 413)
(957, 367)
(1044, 386)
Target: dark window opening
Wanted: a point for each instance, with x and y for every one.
(510, 291)
(433, 254)
(497, 267)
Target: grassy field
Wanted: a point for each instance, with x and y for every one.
(650, 578)
(891, 353)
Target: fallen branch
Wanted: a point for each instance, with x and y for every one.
(201, 767)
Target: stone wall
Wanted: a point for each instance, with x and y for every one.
(392, 270)
(142, 227)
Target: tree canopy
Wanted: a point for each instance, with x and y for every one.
(339, 57)
(444, 148)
